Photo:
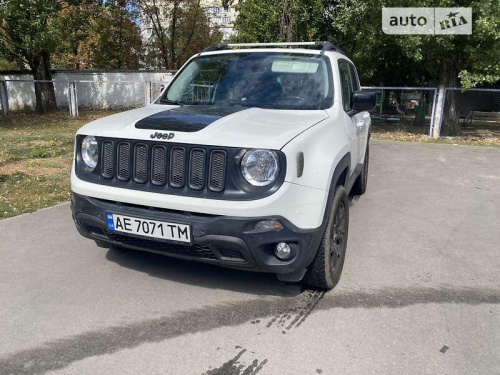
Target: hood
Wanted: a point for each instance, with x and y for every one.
(231, 126)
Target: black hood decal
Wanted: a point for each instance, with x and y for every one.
(188, 118)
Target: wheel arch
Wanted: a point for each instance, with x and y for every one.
(339, 178)
(340, 174)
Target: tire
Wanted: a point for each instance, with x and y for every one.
(359, 187)
(326, 268)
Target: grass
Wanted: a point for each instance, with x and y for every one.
(479, 134)
(36, 153)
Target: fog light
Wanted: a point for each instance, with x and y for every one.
(283, 251)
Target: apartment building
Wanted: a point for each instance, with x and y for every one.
(218, 16)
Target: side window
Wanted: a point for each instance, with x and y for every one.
(346, 83)
(354, 77)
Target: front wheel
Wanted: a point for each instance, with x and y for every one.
(326, 268)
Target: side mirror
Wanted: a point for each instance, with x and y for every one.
(363, 101)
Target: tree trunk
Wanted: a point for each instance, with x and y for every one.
(448, 77)
(120, 62)
(153, 12)
(44, 91)
(173, 35)
(193, 25)
(287, 31)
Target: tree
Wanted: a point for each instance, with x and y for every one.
(74, 27)
(257, 22)
(155, 18)
(114, 40)
(355, 26)
(98, 35)
(28, 33)
(191, 32)
(278, 21)
(177, 30)
(473, 59)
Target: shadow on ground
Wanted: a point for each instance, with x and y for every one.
(201, 274)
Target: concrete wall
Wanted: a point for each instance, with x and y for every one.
(95, 90)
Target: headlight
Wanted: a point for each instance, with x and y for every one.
(90, 151)
(260, 167)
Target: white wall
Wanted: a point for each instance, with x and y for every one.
(95, 90)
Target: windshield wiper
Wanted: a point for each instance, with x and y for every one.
(168, 101)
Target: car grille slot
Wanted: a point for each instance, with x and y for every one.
(197, 169)
(107, 159)
(192, 168)
(177, 167)
(123, 161)
(140, 163)
(217, 171)
(159, 166)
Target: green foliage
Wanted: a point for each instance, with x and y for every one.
(355, 26)
(43, 153)
(99, 36)
(113, 42)
(8, 65)
(261, 21)
(258, 22)
(75, 27)
(27, 28)
(389, 60)
(178, 30)
(192, 33)
(29, 34)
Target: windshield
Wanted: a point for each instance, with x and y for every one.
(267, 80)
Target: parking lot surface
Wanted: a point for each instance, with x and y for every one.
(420, 292)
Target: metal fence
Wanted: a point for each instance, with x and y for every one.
(415, 106)
(397, 106)
(477, 106)
(19, 94)
(419, 106)
(92, 95)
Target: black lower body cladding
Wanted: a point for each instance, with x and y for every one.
(227, 241)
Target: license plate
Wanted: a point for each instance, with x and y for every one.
(148, 228)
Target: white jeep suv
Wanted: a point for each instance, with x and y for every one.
(246, 160)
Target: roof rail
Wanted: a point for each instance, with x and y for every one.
(326, 46)
(217, 47)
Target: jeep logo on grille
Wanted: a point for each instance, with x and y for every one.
(162, 135)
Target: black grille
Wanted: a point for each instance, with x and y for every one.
(193, 168)
(197, 251)
(197, 169)
(123, 161)
(217, 170)
(177, 167)
(141, 163)
(159, 165)
(231, 253)
(107, 159)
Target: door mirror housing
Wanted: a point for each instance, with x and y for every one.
(363, 101)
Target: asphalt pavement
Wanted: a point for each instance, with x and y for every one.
(420, 291)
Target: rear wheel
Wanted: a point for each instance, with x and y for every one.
(326, 268)
(361, 182)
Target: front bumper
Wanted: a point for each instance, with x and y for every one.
(227, 241)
